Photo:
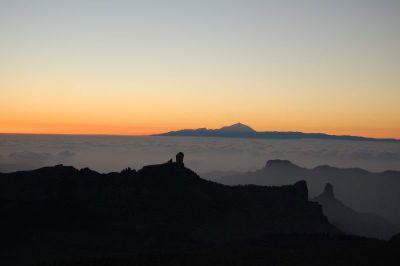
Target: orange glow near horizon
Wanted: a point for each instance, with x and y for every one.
(72, 109)
(110, 114)
(135, 68)
(132, 130)
(128, 111)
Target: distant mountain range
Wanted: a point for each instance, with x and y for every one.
(362, 190)
(240, 130)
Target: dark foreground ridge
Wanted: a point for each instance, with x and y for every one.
(159, 215)
(240, 130)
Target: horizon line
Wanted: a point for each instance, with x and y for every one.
(157, 134)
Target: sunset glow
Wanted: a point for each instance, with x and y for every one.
(137, 69)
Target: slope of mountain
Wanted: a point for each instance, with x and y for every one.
(56, 210)
(352, 222)
(359, 189)
(238, 127)
(243, 131)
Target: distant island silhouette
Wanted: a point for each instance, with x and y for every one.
(240, 130)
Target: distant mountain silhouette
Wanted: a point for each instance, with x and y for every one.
(238, 127)
(361, 190)
(159, 206)
(352, 222)
(240, 130)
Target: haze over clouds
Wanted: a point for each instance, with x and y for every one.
(113, 153)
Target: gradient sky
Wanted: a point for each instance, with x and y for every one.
(139, 67)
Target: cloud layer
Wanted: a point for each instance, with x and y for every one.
(113, 153)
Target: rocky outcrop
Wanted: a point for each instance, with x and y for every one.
(328, 192)
(351, 221)
(362, 190)
(179, 158)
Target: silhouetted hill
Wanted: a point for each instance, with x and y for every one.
(62, 211)
(352, 222)
(238, 127)
(359, 189)
(243, 131)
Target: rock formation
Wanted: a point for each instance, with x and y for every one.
(179, 158)
(351, 221)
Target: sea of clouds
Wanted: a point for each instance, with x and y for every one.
(204, 155)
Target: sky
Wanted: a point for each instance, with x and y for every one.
(143, 67)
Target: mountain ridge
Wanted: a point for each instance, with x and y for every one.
(351, 221)
(362, 190)
(240, 130)
(163, 207)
